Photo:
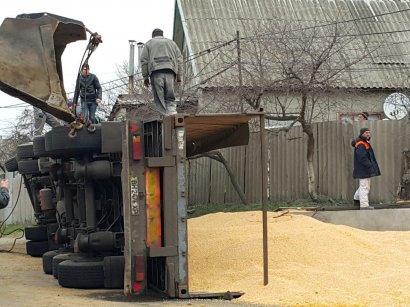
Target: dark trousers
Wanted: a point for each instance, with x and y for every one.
(88, 109)
(163, 82)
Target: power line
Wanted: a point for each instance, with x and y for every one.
(12, 106)
(228, 42)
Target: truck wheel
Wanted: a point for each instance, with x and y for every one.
(25, 151)
(11, 165)
(28, 167)
(48, 147)
(36, 249)
(84, 141)
(36, 233)
(39, 146)
(48, 261)
(60, 258)
(81, 273)
(114, 272)
(47, 141)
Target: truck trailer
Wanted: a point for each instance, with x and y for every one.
(110, 203)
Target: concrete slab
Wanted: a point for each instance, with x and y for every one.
(376, 220)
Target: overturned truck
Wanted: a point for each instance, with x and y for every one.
(110, 204)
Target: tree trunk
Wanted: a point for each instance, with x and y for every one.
(309, 165)
(307, 129)
(216, 155)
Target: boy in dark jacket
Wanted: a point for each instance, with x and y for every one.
(365, 167)
(89, 90)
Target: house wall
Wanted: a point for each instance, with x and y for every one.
(214, 101)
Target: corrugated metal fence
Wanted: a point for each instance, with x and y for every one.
(209, 183)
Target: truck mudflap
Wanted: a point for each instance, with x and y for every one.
(31, 46)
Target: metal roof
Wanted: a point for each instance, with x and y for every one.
(382, 28)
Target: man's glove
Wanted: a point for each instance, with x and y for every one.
(146, 82)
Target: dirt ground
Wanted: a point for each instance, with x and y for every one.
(23, 284)
(310, 263)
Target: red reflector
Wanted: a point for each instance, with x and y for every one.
(139, 268)
(134, 127)
(137, 287)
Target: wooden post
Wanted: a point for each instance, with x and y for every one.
(238, 44)
(264, 199)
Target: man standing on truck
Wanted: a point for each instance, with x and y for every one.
(161, 65)
(89, 89)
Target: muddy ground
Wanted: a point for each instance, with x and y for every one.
(23, 284)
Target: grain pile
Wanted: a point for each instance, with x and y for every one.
(310, 263)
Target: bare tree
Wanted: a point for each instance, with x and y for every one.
(309, 64)
(290, 69)
(20, 133)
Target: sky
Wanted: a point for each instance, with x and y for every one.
(117, 21)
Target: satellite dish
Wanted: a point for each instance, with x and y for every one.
(396, 106)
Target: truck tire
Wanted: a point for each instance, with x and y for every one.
(36, 233)
(25, 151)
(81, 273)
(83, 142)
(114, 272)
(48, 261)
(28, 167)
(47, 142)
(11, 165)
(36, 249)
(48, 147)
(39, 146)
(63, 257)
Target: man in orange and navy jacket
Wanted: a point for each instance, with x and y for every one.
(365, 167)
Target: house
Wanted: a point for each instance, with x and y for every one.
(261, 52)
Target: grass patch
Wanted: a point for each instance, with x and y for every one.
(12, 229)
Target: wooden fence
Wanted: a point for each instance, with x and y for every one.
(286, 152)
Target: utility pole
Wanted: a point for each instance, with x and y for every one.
(238, 45)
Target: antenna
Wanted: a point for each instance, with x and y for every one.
(396, 106)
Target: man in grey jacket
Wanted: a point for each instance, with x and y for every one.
(161, 65)
(41, 118)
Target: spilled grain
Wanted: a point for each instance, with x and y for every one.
(310, 263)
